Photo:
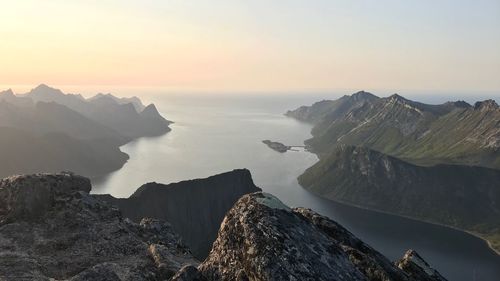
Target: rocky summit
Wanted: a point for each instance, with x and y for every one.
(263, 239)
(52, 229)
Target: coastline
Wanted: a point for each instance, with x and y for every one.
(475, 234)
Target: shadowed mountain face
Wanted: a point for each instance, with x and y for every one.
(22, 151)
(438, 163)
(460, 196)
(195, 208)
(52, 229)
(119, 114)
(49, 131)
(453, 132)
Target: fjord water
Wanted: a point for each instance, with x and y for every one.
(217, 133)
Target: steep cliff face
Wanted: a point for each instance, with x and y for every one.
(51, 228)
(263, 239)
(195, 208)
(460, 196)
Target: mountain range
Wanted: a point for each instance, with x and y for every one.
(46, 130)
(438, 163)
(453, 132)
(51, 228)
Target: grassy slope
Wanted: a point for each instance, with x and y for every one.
(458, 196)
(424, 135)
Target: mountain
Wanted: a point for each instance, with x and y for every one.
(464, 197)
(195, 208)
(453, 132)
(67, 131)
(119, 114)
(52, 229)
(9, 97)
(26, 152)
(42, 118)
(135, 101)
(263, 239)
(438, 163)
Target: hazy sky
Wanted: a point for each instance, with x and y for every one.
(223, 45)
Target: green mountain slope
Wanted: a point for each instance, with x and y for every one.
(454, 132)
(438, 163)
(460, 196)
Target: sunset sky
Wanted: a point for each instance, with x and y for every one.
(253, 45)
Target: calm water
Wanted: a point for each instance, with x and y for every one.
(214, 134)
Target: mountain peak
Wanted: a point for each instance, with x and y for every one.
(7, 92)
(307, 245)
(362, 95)
(459, 103)
(396, 97)
(44, 90)
(150, 110)
(486, 105)
(44, 87)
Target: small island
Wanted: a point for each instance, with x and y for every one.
(278, 146)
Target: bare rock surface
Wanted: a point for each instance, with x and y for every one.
(263, 239)
(52, 229)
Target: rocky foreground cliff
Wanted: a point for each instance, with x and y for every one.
(195, 208)
(52, 229)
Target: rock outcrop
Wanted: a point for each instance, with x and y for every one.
(418, 268)
(263, 239)
(51, 228)
(195, 208)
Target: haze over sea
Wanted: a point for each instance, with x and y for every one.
(215, 133)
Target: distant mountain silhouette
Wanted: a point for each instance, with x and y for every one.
(46, 130)
(108, 110)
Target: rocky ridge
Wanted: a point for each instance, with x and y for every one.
(263, 239)
(51, 228)
(424, 134)
(195, 208)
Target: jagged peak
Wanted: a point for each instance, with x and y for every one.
(489, 104)
(397, 97)
(459, 103)
(151, 106)
(362, 95)
(417, 267)
(150, 110)
(7, 92)
(44, 89)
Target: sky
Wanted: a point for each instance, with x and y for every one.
(253, 45)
